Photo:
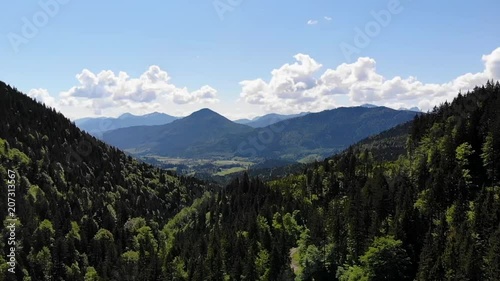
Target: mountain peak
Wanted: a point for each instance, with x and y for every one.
(125, 115)
(206, 109)
(156, 113)
(414, 109)
(368, 105)
(205, 113)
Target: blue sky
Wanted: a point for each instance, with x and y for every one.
(430, 45)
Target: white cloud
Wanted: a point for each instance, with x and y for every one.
(205, 93)
(492, 63)
(290, 85)
(43, 96)
(294, 87)
(151, 90)
(314, 22)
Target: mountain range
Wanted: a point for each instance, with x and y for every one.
(97, 126)
(206, 133)
(196, 135)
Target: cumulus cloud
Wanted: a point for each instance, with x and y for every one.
(152, 89)
(205, 93)
(299, 87)
(312, 22)
(328, 18)
(43, 96)
(492, 63)
(291, 84)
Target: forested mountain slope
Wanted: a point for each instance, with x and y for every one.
(320, 134)
(388, 145)
(272, 118)
(82, 208)
(432, 214)
(197, 135)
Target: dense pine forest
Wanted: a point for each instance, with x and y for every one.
(429, 209)
(431, 214)
(85, 211)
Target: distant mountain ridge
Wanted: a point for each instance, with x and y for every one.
(272, 118)
(324, 133)
(195, 134)
(368, 105)
(414, 108)
(206, 133)
(97, 126)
